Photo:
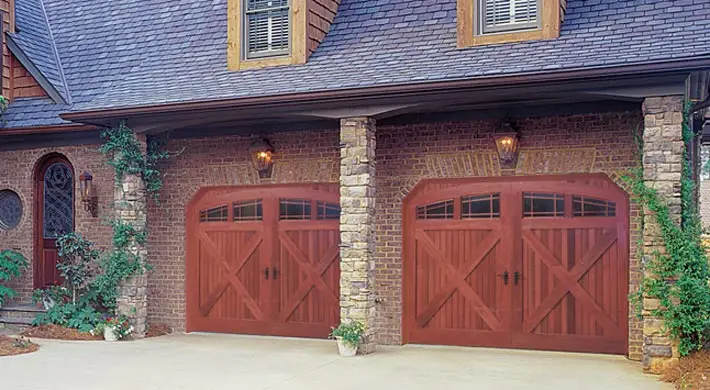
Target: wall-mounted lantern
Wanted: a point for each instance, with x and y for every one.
(507, 143)
(88, 195)
(262, 155)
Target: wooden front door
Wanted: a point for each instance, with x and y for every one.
(536, 263)
(264, 260)
(54, 216)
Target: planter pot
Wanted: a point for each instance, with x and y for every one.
(110, 333)
(48, 303)
(346, 350)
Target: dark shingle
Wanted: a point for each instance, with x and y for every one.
(134, 52)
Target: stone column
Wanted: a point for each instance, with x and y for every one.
(130, 208)
(357, 225)
(662, 167)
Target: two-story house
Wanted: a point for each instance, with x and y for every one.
(448, 172)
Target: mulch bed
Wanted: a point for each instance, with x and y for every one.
(59, 333)
(691, 372)
(10, 346)
(155, 330)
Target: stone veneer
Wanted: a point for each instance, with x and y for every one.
(357, 226)
(662, 166)
(130, 207)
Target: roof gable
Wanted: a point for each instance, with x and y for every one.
(33, 45)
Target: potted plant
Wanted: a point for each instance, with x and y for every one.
(348, 336)
(12, 264)
(115, 328)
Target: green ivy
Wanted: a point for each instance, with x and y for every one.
(125, 155)
(12, 264)
(679, 276)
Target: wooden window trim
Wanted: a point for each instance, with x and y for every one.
(235, 56)
(466, 26)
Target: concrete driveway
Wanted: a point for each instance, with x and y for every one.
(205, 362)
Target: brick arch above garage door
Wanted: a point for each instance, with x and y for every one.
(521, 262)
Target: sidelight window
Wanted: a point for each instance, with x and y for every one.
(438, 210)
(480, 206)
(215, 214)
(539, 204)
(250, 210)
(591, 207)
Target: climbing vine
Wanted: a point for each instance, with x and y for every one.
(678, 277)
(125, 155)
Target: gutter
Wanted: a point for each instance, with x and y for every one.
(46, 129)
(402, 90)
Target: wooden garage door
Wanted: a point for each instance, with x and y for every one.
(264, 260)
(536, 263)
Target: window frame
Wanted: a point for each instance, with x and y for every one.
(246, 55)
(481, 28)
(236, 40)
(468, 35)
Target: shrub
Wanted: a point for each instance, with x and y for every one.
(12, 264)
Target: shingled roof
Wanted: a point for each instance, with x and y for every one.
(135, 53)
(34, 45)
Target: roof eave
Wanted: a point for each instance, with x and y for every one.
(676, 66)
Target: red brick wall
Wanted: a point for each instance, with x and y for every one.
(211, 162)
(401, 162)
(17, 174)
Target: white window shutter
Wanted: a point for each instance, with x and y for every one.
(267, 27)
(505, 15)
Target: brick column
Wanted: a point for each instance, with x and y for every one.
(662, 167)
(357, 225)
(130, 208)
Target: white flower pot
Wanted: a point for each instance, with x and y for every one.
(345, 349)
(48, 303)
(110, 333)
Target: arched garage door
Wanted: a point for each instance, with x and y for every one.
(534, 263)
(264, 260)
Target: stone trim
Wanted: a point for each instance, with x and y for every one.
(663, 148)
(357, 226)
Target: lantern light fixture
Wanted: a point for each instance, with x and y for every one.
(262, 154)
(88, 195)
(507, 143)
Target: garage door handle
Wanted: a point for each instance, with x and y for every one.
(505, 277)
(275, 273)
(516, 277)
(266, 273)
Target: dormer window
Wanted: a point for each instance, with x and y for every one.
(266, 28)
(496, 16)
(488, 22)
(264, 33)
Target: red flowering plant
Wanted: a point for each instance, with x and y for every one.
(120, 324)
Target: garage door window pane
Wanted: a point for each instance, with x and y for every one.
(538, 204)
(295, 209)
(480, 206)
(249, 210)
(328, 211)
(438, 210)
(591, 207)
(216, 214)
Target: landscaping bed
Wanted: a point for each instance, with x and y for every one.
(155, 330)
(691, 372)
(10, 346)
(59, 333)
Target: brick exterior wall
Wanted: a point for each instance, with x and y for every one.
(405, 154)
(301, 156)
(551, 145)
(17, 174)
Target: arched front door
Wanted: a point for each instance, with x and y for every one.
(54, 215)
